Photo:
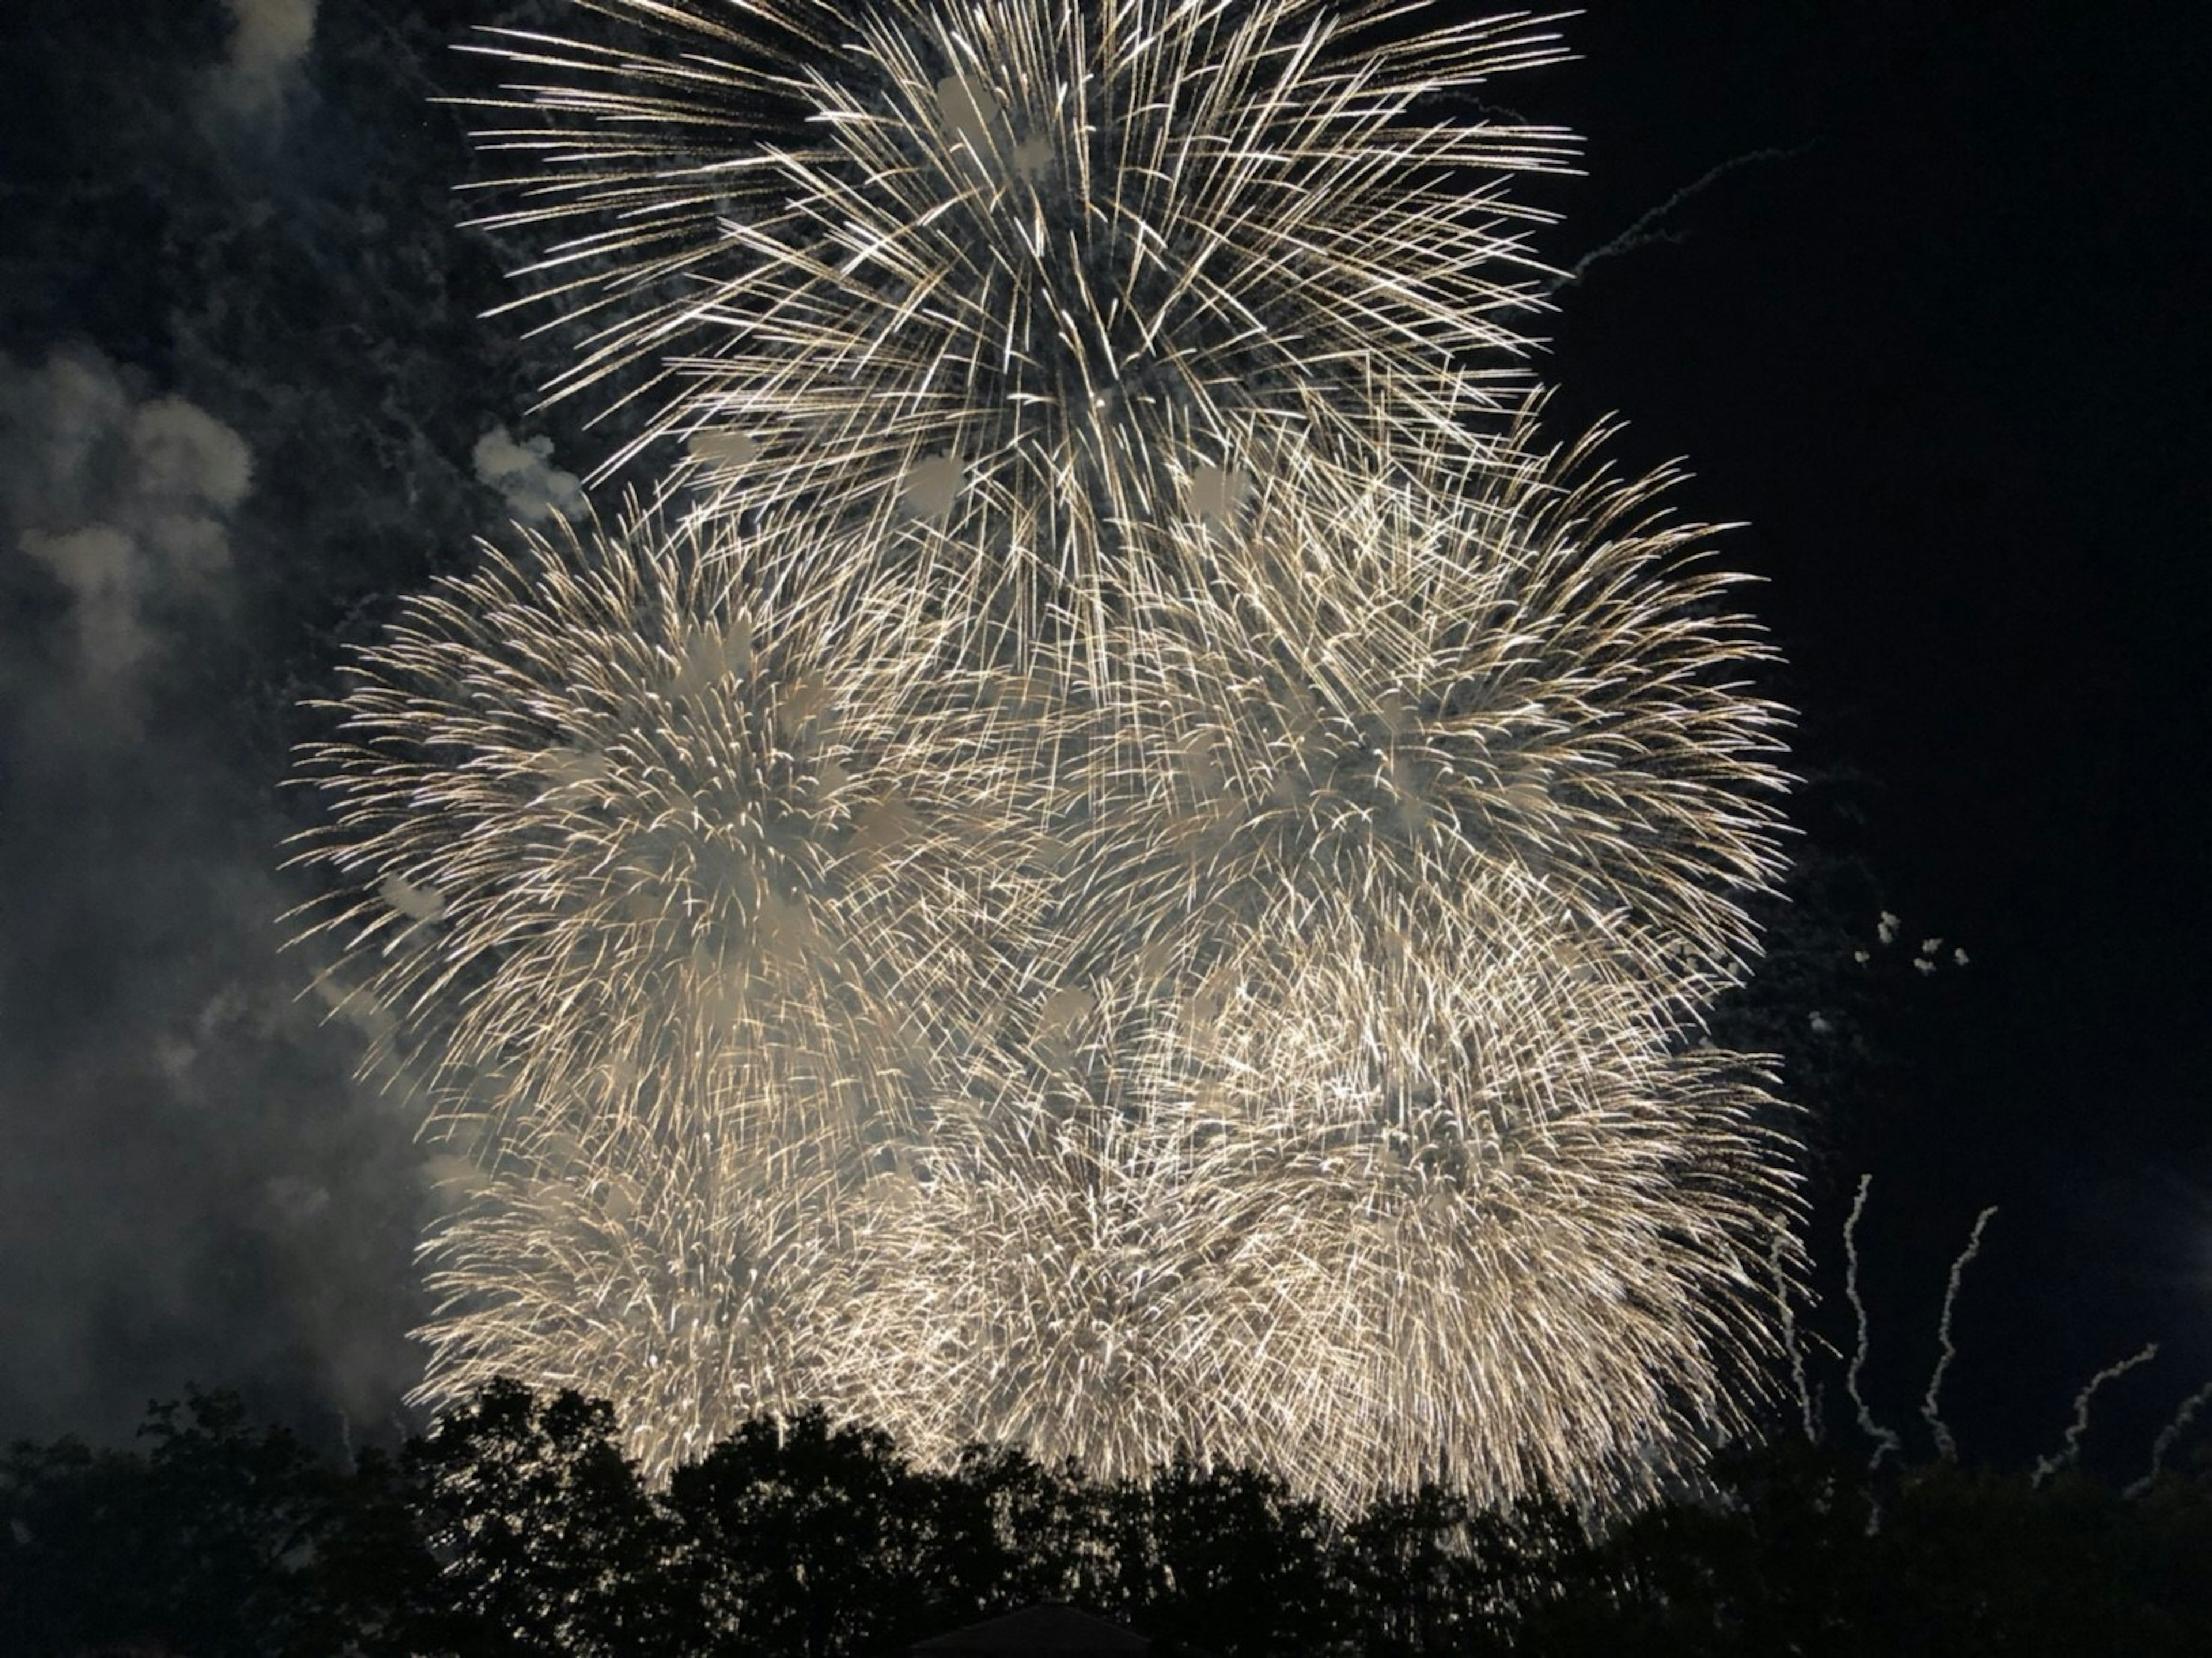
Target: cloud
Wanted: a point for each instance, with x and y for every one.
(524, 476)
(269, 40)
(194, 1184)
(125, 504)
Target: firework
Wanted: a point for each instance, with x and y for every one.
(624, 831)
(1358, 1282)
(1028, 271)
(1353, 1133)
(1141, 864)
(1450, 700)
(670, 1269)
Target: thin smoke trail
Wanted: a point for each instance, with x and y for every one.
(2169, 1435)
(2070, 1453)
(1646, 232)
(1946, 1446)
(1886, 1441)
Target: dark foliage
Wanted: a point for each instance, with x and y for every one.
(516, 1529)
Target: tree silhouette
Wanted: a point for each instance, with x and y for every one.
(515, 1529)
(797, 1537)
(547, 1539)
(218, 1539)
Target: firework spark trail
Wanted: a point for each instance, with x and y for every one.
(1139, 867)
(1792, 1344)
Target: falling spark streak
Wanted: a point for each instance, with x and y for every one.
(1143, 864)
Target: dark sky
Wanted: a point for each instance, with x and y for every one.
(1946, 354)
(1932, 327)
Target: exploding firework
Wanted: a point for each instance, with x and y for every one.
(1353, 1132)
(1141, 865)
(1450, 700)
(1358, 1281)
(1281, 1056)
(626, 833)
(1030, 271)
(672, 1269)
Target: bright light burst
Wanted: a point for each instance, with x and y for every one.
(677, 1270)
(1350, 1128)
(1036, 273)
(639, 838)
(1142, 864)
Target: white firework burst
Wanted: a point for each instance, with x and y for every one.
(625, 831)
(1453, 704)
(1543, 1262)
(1029, 270)
(1543, 1226)
(1142, 867)
(1352, 1135)
(670, 1269)
(1078, 1263)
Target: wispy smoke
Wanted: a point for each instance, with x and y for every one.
(268, 41)
(1886, 1443)
(125, 504)
(523, 472)
(2069, 1455)
(192, 1186)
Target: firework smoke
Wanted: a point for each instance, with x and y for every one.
(1141, 862)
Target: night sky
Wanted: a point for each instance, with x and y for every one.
(1922, 309)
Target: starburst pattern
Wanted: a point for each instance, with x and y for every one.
(1034, 273)
(1141, 861)
(674, 1270)
(631, 832)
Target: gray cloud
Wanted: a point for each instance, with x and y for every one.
(524, 476)
(268, 429)
(192, 1184)
(125, 503)
(268, 41)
